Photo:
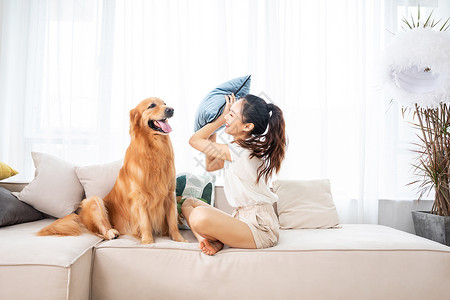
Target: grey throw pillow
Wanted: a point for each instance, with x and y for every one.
(13, 211)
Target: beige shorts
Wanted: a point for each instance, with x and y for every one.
(263, 223)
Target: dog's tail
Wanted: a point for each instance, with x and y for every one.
(70, 225)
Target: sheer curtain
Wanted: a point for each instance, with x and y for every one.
(70, 71)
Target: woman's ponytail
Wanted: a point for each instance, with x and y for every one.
(268, 144)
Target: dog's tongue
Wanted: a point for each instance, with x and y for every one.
(164, 126)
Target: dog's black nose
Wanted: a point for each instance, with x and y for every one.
(169, 112)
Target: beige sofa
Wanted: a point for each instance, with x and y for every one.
(357, 261)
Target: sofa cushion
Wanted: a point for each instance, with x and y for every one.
(42, 282)
(305, 204)
(193, 185)
(197, 186)
(98, 180)
(55, 190)
(6, 171)
(35, 267)
(354, 262)
(13, 211)
(348, 237)
(21, 246)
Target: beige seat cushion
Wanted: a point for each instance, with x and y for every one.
(34, 267)
(353, 262)
(21, 246)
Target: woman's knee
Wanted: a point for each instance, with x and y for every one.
(200, 219)
(189, 202)
(192, 202)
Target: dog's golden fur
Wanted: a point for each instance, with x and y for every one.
(142, 201)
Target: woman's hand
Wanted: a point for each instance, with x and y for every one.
(215, 153)
(230, 100)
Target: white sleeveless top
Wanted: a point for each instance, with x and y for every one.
(240, 180)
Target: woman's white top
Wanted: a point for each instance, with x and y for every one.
(240, 184)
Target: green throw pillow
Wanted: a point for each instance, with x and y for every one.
(193, 185)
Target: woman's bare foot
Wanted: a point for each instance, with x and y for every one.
(210, 247)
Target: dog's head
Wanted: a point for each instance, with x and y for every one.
(151, 116)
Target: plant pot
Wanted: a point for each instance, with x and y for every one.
(432, 227)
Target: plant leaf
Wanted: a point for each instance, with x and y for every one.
(426, 23)
(434, 24)
(418, 14)
(444, 24)
(406, 22)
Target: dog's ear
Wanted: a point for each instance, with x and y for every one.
(135, 118)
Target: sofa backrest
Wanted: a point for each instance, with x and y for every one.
(222, 203)
(221, 200)
(13, 186)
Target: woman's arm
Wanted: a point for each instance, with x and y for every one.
(200, 139)
(213, 163)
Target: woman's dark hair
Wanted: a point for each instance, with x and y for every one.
(268, 138)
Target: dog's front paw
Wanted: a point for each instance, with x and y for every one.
(179, 238)
(111, 234)
(147, 241)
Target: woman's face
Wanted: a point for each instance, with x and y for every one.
(234, 125)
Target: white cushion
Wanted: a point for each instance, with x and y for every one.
(98, 180)
(305, 204)
(55, 190)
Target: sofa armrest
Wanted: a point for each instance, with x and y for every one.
(13, 186)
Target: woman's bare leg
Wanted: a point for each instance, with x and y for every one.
(188, 206)
(207, 246)
(213, 228)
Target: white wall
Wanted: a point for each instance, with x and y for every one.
(1, 25)
(397, 213)
(392, 213)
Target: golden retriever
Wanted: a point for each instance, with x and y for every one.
(142, 201)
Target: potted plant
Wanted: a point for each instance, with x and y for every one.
(417, 74)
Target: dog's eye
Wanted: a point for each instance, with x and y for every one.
(152, 105)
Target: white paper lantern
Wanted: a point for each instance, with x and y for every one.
(416, 67)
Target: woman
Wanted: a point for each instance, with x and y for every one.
(249, 161)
